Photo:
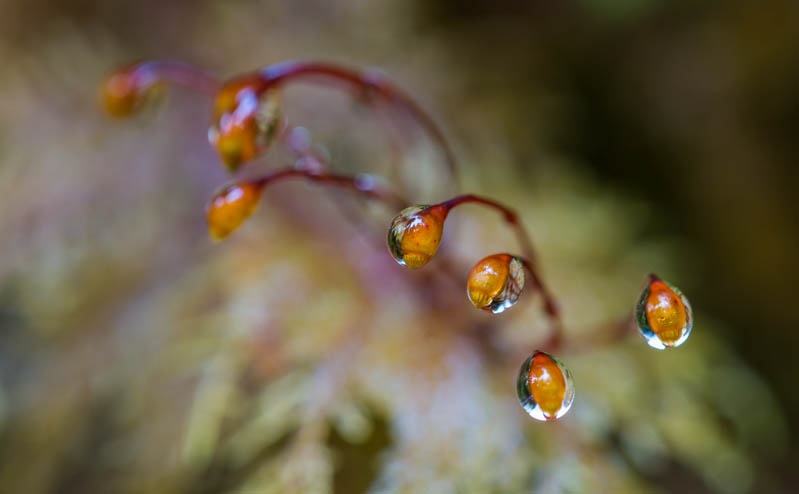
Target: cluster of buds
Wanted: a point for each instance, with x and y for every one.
(246, 120)
(545, 386)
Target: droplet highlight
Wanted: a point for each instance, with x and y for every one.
(545, 387)
(663, 314)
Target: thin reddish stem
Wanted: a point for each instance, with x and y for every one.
(177, 73)
(369, 80)
(528, 259)
(364, 184)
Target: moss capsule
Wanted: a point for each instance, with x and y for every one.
(545, 387)
(243, 122)
(663, 314)
(495, 282)
(230, 207)
(415, 234)
(125, 91)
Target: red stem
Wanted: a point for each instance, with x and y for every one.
(283, 72)
(528, 259)
(360, 183)
(177, 73)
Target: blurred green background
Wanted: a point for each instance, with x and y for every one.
(631, 135)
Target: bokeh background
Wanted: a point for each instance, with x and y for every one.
(631, 135)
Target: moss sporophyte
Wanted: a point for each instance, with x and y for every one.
(247, 120)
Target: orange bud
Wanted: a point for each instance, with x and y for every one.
(230, 207)
(125, 91)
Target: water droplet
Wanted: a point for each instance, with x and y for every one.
(244, 123)
(545, 387)
(495, 282)
(415, 234)
(663, 314)
(230, 207)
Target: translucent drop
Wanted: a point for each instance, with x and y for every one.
(230, 207)
(244, 123)
(496, 282)
(545, 387)
(415, 234)
(663, 315)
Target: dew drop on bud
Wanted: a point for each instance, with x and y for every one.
(244, 123)
(663, 314)
(415, 234)
(230, 207)
(495, 282)
(545, 387)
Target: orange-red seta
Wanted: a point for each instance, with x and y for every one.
(230, 207)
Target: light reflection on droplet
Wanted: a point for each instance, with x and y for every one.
(545, 387)
(496, 282)
(663, 314)
(415, 234)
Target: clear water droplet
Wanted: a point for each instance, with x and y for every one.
(663, 314)
(496, 282)
(545, 387)
(415, 234)
(244, 124)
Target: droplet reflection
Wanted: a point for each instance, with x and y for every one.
(663, 314)
(496, 282)
(545, 387)
(243, 123)
(415, 234)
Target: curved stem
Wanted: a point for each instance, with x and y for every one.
(528, 259)
(283, 72)
(177, 73)
(510, 217)
(364, 184)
